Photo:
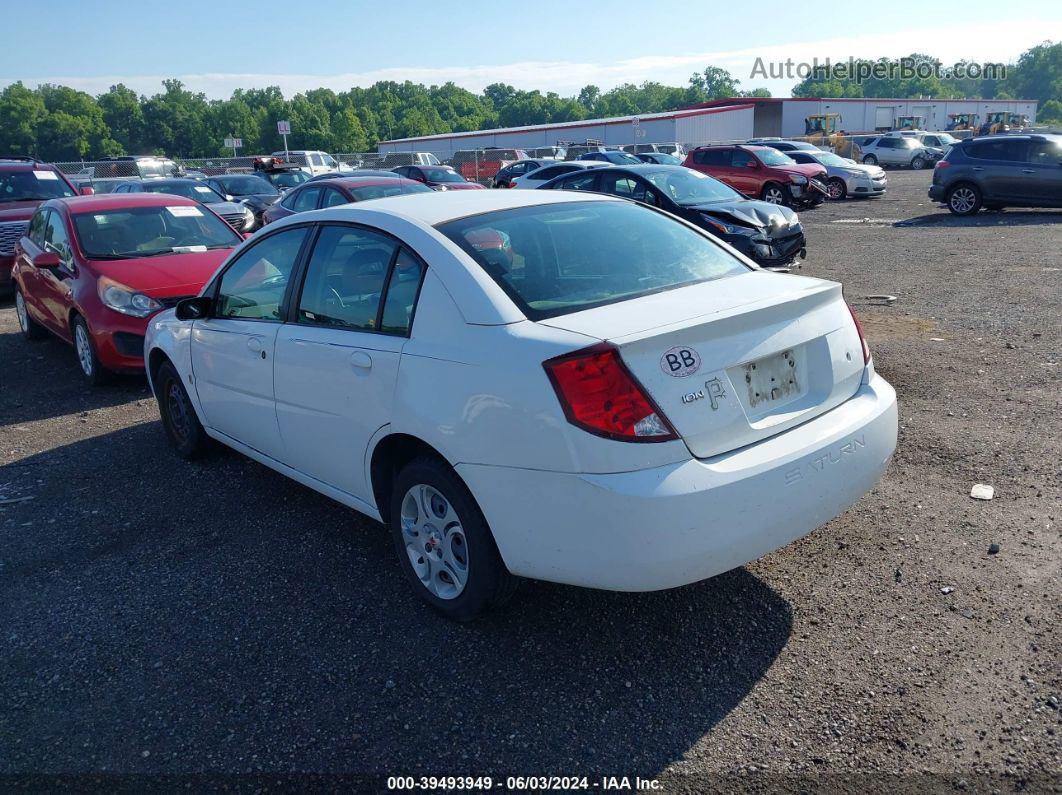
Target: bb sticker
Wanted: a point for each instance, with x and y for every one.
(45, 175)
(203, 189)
(680, 361)
(184, 212)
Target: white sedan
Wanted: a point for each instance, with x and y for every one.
(566, 386)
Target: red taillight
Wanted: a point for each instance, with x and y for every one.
(862, 339)
(600, 395)
(942, 164)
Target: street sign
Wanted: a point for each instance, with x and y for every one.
(234, 143)
(284, 127)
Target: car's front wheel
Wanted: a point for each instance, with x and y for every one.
(964, 199)
(773, 193)
(30, 328)
(85, 348)
(836, 188)
(444, 544)
(870, 160)
(179, 420)
(918, 163)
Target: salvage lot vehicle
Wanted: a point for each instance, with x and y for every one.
(24, 184)
(896, 150)
(340, 190)
(534, 322)
(92, 270)
(441, 178)
(477, 165)
(761, 173)
(239, 216)
(768, 234)
(1000, 171)
(251, 190)
(660, 158)
(541, 176)
(314, 161)
(521, 168)
(844, 176)
(613, 156)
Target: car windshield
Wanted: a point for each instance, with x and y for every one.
(32, 185)
(246, 185)
(288, 179)
(382, 191)
(554, 259)
(134, 232)
(772, 157)
(189, 190)
(688, 187)
(947, 139)
(442, 175)
(830, 159)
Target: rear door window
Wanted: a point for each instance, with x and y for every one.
(306, 200)
(584, 181)
(1013, 151)
(712, 157)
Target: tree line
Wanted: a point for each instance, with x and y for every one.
(59, 123)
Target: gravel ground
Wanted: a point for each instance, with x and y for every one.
(159, 617)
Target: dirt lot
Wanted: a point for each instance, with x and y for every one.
(165, 617)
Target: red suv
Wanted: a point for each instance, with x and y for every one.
(482, 165)
(93, 270)
(761, 172)
(24, 184)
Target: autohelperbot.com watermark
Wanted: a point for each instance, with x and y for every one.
(860, 71)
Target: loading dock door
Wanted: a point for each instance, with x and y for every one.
(883, 118)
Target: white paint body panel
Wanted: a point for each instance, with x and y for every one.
(563, 504)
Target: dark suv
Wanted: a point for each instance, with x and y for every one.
(24, 184)
(1000, 171)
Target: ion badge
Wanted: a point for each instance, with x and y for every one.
(680, 362)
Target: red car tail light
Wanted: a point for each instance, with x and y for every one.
(942, 164)
(862, 338)
(600, 395)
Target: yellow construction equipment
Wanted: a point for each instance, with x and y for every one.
(962, 121)
(819, 127)
(909, 122)
(1017, 121)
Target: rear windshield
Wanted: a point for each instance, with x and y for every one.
(559, 258)
(189, 190)
(383, 191)
(246, 185)
(136, 232)
(288, 179)
(32, 185)
(442, 175)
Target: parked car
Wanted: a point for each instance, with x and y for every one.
(845, 177)
(24, 184)
(938, 140)
(251, 190)
(547, 153)
(1000, 171)
(312, 161)
(437, 177)
(783, 145)
(355, 172)
(541, 176)
(660, 158)
(760, 172)
(611, 156)
(519, 169)
(572, 151)
(93, 270)
(388, 160)
(897, 150)
(768, 234)
(141, 166)
(482, 165)
(102, 185)
(238, 215)
(333, 192)
(282, 175)
(675, 150)
(582, 357)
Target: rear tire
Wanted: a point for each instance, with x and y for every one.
(31, 329)
(444, 545)
(179, 419)
(964, 199)
(85, 348)
(838, 190)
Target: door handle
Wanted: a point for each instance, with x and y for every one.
(1028, 171)
(977, 168)
(360, 360)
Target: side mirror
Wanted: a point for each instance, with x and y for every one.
(194, 308)
(88, 190)
(46, 260)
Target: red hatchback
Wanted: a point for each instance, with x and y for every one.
(92, 270)
(761, 172)
(316, 194)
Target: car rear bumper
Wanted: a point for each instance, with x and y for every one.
(936, 193)
(677, 524)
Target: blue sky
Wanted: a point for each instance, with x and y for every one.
(215, 47)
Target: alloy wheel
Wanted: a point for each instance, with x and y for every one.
(835, 188)
(84, 349)
(962, 200)
(773, 195)
(434, 541)
(20, 311)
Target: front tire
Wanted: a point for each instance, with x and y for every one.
(30, 328)
(964, 199)
(94, 372)
(918, 163)
(444, 545)
(837, 189)
(179, 419)
(773, 193)
(870, 160)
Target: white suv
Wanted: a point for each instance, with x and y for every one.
(313, 161)
(889, 150)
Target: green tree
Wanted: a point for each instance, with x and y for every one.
(124, 116)
(21, 113)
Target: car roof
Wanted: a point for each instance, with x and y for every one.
(437, 208)
(27, 165)
(358, 182)
(118, 201)
(1017, 137)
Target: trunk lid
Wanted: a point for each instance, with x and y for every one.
(734, 361)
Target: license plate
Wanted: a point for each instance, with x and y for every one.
(773, 379)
